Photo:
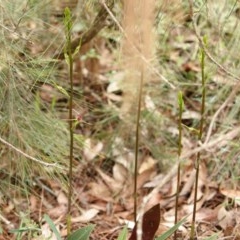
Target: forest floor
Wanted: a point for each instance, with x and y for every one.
(103, 183)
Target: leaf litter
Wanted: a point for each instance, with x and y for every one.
(105, 196)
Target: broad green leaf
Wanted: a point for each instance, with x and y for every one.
(171, 230)
(82, 233)
(123, 234)
(52, 226)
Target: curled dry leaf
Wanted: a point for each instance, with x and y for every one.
(145, 176)
(120, 173)
(148, 163)
(233, 194)
(90, 151)
(99, 191)
(111, 183)
(86, 216)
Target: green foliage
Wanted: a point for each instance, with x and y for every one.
(30, 228)
(52, 226)
(27, 227)
(123, 234)
(200, 133)
(168, 233)
(69, 59)
(81, 234)
(27, 123)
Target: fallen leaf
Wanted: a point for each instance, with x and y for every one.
(233, 194)
(86, 216)
(226, 218)
(113, 185)
(150, 223)
(99, 191)
(90, 150)
(62, 198)
(120, 173)
(147, 164)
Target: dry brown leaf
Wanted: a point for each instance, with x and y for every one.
(112, 184)
(155, 181)
(148, 163)
(33, 202)
(120, 173)
(86, 216)
(202, 185)
(100, 191)
(226, 218)
(145, 176)
(90, 150)
(233, 194)
(206, 214)
(58, 211)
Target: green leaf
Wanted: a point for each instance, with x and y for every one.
(52, 226)
(171, 230)
(78, 47)
(123, 234)
(24, 229)
(82, 233)
(191, 129)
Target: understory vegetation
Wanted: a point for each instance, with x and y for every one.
(115, 114)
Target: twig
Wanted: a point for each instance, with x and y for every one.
(3, 219)
(98, 24)
(229, 99)
(28, 156)
(209, 55)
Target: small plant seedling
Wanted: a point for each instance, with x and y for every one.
(69, 59)
(200, 133)
(181, 107)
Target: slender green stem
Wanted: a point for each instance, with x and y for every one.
(181, 106)
(197, 164)
(69, 59)
(137, 145)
